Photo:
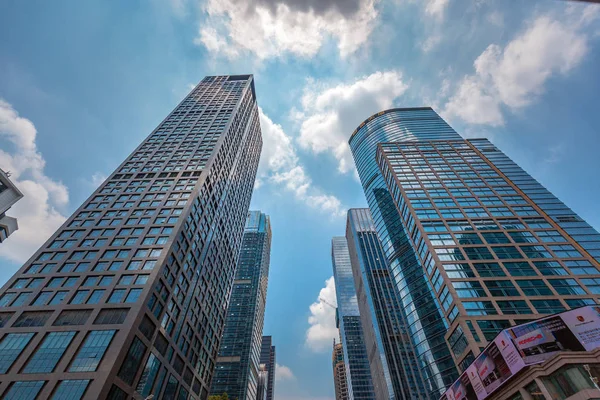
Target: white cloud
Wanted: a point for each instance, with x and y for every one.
(37, 212)
(97, 179)
(514, 76)
(431, 42)
(269, 28)
(283, 373)
(322, 330)
(279, 164)
(496, 18)
(330, 114)
(436, 8)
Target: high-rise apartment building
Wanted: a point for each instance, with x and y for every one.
(358, 371)
(9, 195)
(474, 244)
(238, 361)
(129, 297)
(339, 372)
(394, 366)
(267, 358)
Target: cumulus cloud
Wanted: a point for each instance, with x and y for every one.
(436, 8)
(283, 373)
(513, 76)
(279, 164)
(329, 115)
(322, 329)
(37, 212)
(272, 28)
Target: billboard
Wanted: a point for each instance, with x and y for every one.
(519, 346)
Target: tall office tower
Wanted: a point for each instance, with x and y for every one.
(339, 372)
(263, 382)
(267, 357)
(474, 243)
(9, 195)
(358, 371)
(130, 294)
(239, 355)
(394, 366)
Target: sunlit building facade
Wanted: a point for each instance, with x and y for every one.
(473, 242)
(268, 358)
(128, 298)
(339, 372)
(238, 361)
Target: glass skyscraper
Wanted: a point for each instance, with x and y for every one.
(268, 359)
(394, 367)
(130, 294)
(474, 243)
(358, 372)
(238, 361)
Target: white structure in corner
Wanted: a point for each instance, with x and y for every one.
(9, 195)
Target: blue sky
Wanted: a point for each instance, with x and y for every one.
(82, 83)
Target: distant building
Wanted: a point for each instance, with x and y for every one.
(339, 372)
(394, 366)
(358, 372)
(9, 195)
(268, 359)
(238, 359)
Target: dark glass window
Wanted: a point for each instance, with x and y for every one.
(70, 389)
(519, 269)
(491, 328)
(91, 352)
(72, 317)
(111, 316)
(514, 307)
(566, 286)
(4, 317)
(49, 353)
(132, 361)
(548, 306)
(148, 375)
(534, 287)
(501, 288)
(478, 253)
(32, 318)
(489, 270)
(116, 393)
(505, 252)
(11, 347)
(24, 390)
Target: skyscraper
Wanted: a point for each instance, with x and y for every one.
(9, 195)
(394, 367)
(358, 371)
(239, 354)
(130, 294)
(339, 372)
(474, 243)
(267, 357)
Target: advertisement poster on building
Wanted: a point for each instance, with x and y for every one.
(539, 340)
(585, 324)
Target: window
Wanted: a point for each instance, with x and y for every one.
(550, 268)
(548, 306)
(506, 252)
(32, 318)
(96, 296)
(566, 286)
(24, 390)
(91, 352)
(11, 347)
(148, 375)
(523, 237)
(468, 289)
(514, 307)
(501, 288)
(111, 316)
(478, 253)
(49, 353)
(79, 296)
(519, 269)
(70, 389)
(489, 269)
(536, 252)
(72, 317)
(491, 328)
(495, 237)
(132, 361)
(534, 287)
(117, 296)
(479, 308)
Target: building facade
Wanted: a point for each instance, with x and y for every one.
(358, 371)
(339, 372)
(393, 363)
(268, 359)
(129, 297)
(9, 195)
(485, 245)
(238, 361)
